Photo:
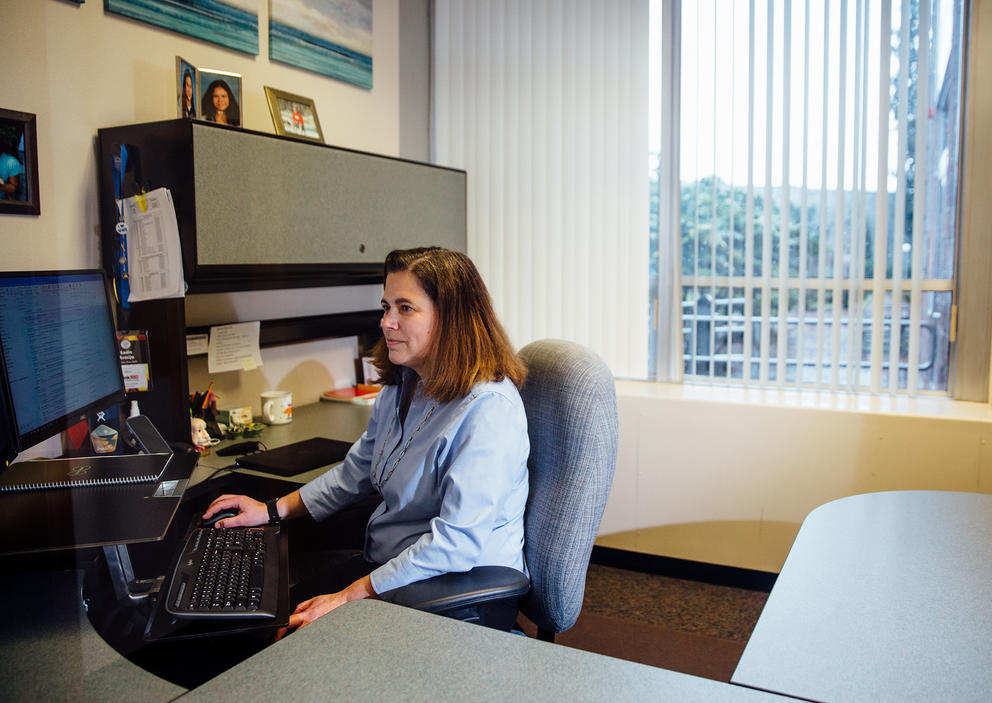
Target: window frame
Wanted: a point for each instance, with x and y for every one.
(970, 353)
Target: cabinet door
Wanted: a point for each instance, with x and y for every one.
(272, 201)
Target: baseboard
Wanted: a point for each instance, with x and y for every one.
(716, 574)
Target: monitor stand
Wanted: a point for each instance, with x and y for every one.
(126, 586)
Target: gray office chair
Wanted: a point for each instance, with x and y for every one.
(572, 421)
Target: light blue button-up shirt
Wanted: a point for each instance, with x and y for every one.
(454, 483)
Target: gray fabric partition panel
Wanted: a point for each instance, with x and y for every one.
(261, 200)
(572, 420)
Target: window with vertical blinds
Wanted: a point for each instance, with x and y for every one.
(544, 104)
(816, 191)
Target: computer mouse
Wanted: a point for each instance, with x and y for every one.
(225, 513)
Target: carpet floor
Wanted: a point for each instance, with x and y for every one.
(677, 624)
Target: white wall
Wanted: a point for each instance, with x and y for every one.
(726, 476)
(79, 68)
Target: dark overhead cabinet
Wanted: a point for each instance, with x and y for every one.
(258, 211)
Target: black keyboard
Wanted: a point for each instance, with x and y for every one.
(227, 573)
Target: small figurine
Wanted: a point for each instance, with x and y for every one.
(201, 440)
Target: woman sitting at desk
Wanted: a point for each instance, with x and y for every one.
(446, 446)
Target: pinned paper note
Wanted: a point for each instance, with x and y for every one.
(197, 344)
(154, 256)
(234, 347)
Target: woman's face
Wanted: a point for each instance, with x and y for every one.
(408, 319)
(221, 99)
(188, 87)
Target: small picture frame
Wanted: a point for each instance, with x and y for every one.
(294, 115)
(220, 96)
(187, 91)
(19, 163)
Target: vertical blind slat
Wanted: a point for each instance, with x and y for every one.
(784, 206)
(824, 150)
(731, 68)
(766, 220)
(695, 203)
(899, 226)
(919, 195)
(857, 195)
(803, 209)
(749, 198)
(863, 119)
(880, 242)
(839, 213)
(713, 201)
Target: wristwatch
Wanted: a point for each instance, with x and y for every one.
(270, 505)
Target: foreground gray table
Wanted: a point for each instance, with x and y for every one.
(364, 651)
(375, 651)
(50, 651)
(884, 596)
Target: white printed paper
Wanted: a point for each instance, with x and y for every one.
(154, 256)
(197, 344)
(234, 347)
(370, 374)
(135, 377)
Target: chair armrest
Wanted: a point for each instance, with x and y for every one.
(461, 589)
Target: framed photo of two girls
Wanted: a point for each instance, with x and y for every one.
(208, 94)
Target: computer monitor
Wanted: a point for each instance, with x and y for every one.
(58, 354)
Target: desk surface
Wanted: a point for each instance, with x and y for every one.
(345, 421)
(366, 650)
(66, 518)
(48, 646)
(370, 650)
(50, 651)
(884, 596)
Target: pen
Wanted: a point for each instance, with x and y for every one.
(206, 396)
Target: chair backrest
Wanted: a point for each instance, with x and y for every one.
(571, 406)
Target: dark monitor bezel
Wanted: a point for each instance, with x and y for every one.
(13, 442)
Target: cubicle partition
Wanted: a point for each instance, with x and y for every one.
(257, 211)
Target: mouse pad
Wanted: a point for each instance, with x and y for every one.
(296, 458)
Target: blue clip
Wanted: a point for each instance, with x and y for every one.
(118, 166)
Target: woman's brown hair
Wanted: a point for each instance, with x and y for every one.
(470, 345)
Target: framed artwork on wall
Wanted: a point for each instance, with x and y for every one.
(220, 96)
(293, 115)
(230, 23)
(19, 163)
(332, 38)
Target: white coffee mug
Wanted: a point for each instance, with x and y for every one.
(277, 407)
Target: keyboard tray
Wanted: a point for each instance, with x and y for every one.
(227, 573)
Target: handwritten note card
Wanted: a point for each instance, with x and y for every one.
(234, 347)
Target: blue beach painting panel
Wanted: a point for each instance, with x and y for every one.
(329, 37)
(231, 23)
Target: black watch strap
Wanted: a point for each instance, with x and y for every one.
(270, 505)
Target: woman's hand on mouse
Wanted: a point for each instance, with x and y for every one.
(250, 512)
